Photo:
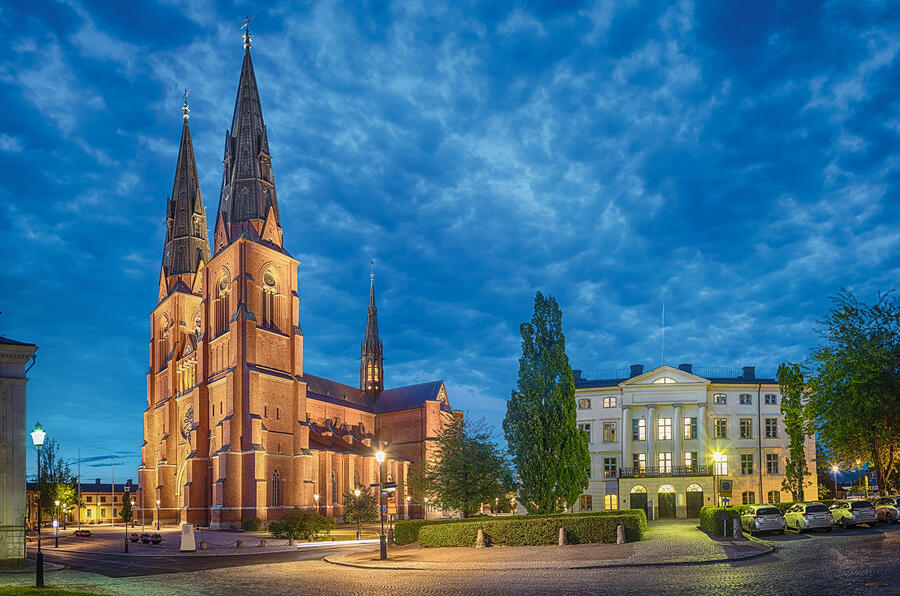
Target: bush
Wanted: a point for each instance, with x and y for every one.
(302, 524)
(531, 531)
(407, 531)
(251, 525)
(711, 519)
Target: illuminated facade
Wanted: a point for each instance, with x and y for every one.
(235, 428)
(660, 439)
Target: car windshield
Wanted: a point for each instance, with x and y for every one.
(860, 505)
(768, 511)
(816, 508)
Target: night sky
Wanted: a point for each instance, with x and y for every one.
(739, 158)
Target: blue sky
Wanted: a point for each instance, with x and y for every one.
(741, 158)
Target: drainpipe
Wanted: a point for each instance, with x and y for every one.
(759, 431)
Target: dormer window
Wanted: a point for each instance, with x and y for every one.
(664, 381)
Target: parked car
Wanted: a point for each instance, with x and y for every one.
(762, 518)
(809, 516)
(888, 509)
(851, 513)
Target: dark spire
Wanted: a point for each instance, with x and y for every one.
(187, 240)
(371, 369)
(248, 186)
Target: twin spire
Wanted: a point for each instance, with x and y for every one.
(371, 359)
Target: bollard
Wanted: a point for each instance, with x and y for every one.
(239, 544)
(479, 540)
(290, 542)
(738, 530)
(562, 537)
(262, 542)
(203, 545)
(620, 534)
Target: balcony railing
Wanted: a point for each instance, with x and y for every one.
(665, 472)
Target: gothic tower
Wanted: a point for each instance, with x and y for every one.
(371, 368)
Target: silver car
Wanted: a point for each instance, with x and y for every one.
(888, 509)
(762, 518)
(809, 516)
(851, 513)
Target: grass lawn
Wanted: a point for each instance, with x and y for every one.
(31, 591)
(347, 533)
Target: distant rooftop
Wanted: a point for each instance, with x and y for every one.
(716, 374)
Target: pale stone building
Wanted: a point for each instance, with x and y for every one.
(655, 436)
(14, 364)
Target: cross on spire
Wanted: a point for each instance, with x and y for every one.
(185, 109)
(246, 26)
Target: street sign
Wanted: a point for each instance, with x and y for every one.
(389, 485)
(374, 485)
(127, 488)
(725, 485)
(392, 503)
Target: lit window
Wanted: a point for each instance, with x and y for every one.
(771, 428)
(609, 402)
(690, 459)
(639, 461)
(771, 399)
(690, 428)
(722, 465)
(665, 462)
(611, 502)
(88, 512)
(584, 403)
(639, 429)
(746, 428)
(269, 292)
(664, 429)
(220, 306)
(609, 467)
(664, 381)
(609, 432)
(585, 502)
(720, 398)
(746, 399)
(586, 427)
(720, 428)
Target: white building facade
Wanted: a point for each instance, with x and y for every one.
(665, 440)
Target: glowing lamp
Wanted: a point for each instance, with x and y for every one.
(37, 435)
(379, 457)
(356, 492)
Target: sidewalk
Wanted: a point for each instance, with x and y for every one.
(666, 543)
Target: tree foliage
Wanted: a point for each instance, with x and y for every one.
(363, 508)
(790, 379)
(549, 451)
(469, 469)
(56, 480)
(302, 524)
(127, 511)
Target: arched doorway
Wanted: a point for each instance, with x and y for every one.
(666, 500)
(638, 498)
(694, 500)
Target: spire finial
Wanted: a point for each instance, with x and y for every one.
(246, 26)
(372, 271)
(185, 109)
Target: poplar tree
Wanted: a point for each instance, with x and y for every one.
(790, 380)
(548, 449)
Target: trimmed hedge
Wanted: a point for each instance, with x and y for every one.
(532, 531)
(407, 531)
(711, 519)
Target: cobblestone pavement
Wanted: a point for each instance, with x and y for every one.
(862, 561)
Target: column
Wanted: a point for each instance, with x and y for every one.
(677, 434)
(625, 436)
(701, 435)
(651, 436)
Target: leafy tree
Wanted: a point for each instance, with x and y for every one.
(127, 512)
(790, 379)
(420, 484)
(824, 475)
(469, 469)
(56, 480)
(301, 524)
(363, 508)
(548, 449)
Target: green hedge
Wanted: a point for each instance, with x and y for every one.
(711, 519)
(407, 531)
(532, 531)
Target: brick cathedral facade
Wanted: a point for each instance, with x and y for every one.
(234, 427)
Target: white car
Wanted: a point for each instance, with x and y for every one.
(762, 518)
(809, 516)
(852, 513)
(888, 509)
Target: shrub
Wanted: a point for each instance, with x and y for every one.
(711, 519)
(252, 524)
(302, 524)
(532, 530)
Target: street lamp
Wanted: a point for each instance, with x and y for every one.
(356, 494)
(316, 499)
(425, 515)
(379, 457)
(717, 457)
(157, 514)
(56, 533)
(834, 470)
(37, 437)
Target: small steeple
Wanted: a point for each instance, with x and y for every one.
(187, 240)
(371, 369)
(248, 186)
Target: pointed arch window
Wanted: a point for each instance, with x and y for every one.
(163, 342)
(269, 291)
(334, 488)
(220, 306)
(276, 488)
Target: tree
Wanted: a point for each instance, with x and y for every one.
(56, 480)
(854, 381)
(824, 475)
(790, 379)
(301, 524)
(363, 508)
(469, 470)
(548, 449)
(127, 512)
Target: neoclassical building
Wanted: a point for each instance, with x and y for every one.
(659, 439)
(235, 428)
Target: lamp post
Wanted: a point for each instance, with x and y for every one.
(56, 527)
(157, 514)
(834, 471)
(425, 513)
(37, 437)
(316, 499)
(357, 512)
(379, 457)
(407, 506)
(717, 457)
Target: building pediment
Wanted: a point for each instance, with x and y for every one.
(664, 376)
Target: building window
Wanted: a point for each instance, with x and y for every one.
(771, 399)
(664, 381)
(103, 499)
(220, 306)
(720, 398)
(771, 463)
(690, 459)
(277, 414)
(664, 429)
(746, 428)
(90, 499)
(268, 300)
(665, 462)
(586, 427)
(609, 402)
(720, 428)
(585, 502)
(102, 513)
(334, 487)
(690, 428)
(584, 404)
(746, 463)
(88, 512)
(771, 428)
(276, 488)
(639, 429)
(774, 496)
(609, 432)
(611, 502)
(639, 461)
(609, 467)
(115, 513)
(265, 411)
(722, 465)
(748, 497)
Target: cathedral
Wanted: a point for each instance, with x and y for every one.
(235, 428)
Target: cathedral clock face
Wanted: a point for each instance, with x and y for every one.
(188, 422)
